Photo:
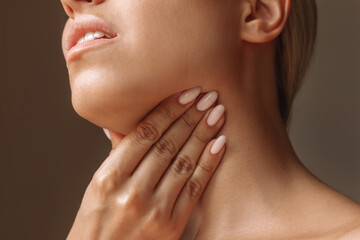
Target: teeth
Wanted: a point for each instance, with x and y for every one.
(89, 36)
(99, 34)
(93, 35)
(81, 40)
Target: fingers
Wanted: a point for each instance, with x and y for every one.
(186, 160)
(134, 146)
(197, 183)
(163, 151)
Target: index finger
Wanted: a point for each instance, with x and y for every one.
(134, 146)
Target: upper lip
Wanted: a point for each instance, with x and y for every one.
(75, 29)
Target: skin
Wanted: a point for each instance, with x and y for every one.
(260, 190)
(139, 192)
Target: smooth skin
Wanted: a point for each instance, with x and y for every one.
(260, 190)
(140, 192)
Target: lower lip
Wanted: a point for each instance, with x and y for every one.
(78, 49)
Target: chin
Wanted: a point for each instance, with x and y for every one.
(117, 116)
(118, 98)
(118, 109)
(113, 103)
(120, 116)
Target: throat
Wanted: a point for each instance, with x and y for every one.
(251, 185)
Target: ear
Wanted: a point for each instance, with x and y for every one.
(263, 20)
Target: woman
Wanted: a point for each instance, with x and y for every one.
(248, 55)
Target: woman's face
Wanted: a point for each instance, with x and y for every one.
(162, 47)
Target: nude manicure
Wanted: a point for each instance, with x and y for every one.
(206, 101)
(215, 115)
(189, 95)
(218, 144)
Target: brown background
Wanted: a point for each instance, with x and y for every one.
(48, 154)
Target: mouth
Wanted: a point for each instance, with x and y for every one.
(85, 32)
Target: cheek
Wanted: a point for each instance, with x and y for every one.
(177, 40)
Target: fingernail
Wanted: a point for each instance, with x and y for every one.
(189, 95)
(107, 133)
(206, 101)
(215, 115)
(218, 144)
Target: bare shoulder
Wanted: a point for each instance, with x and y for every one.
(347, 214)
(344, 217)
(352, 235)
(353, 232)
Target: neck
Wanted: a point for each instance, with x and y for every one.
(259, 162)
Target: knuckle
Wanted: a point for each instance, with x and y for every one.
(201, 137)
(156, 217)
(188, 121)
(166, 110)
(105, 183)
(146, 132)
(193, 188)
(165, 147)
(130, 201)
(206, 166)
(153, 223)
(183, 165)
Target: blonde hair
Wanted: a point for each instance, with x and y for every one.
(294, 48)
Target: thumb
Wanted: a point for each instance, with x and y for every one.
(114, 137)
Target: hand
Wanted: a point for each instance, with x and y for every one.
(151, 181)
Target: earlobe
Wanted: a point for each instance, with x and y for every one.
(263, 20)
